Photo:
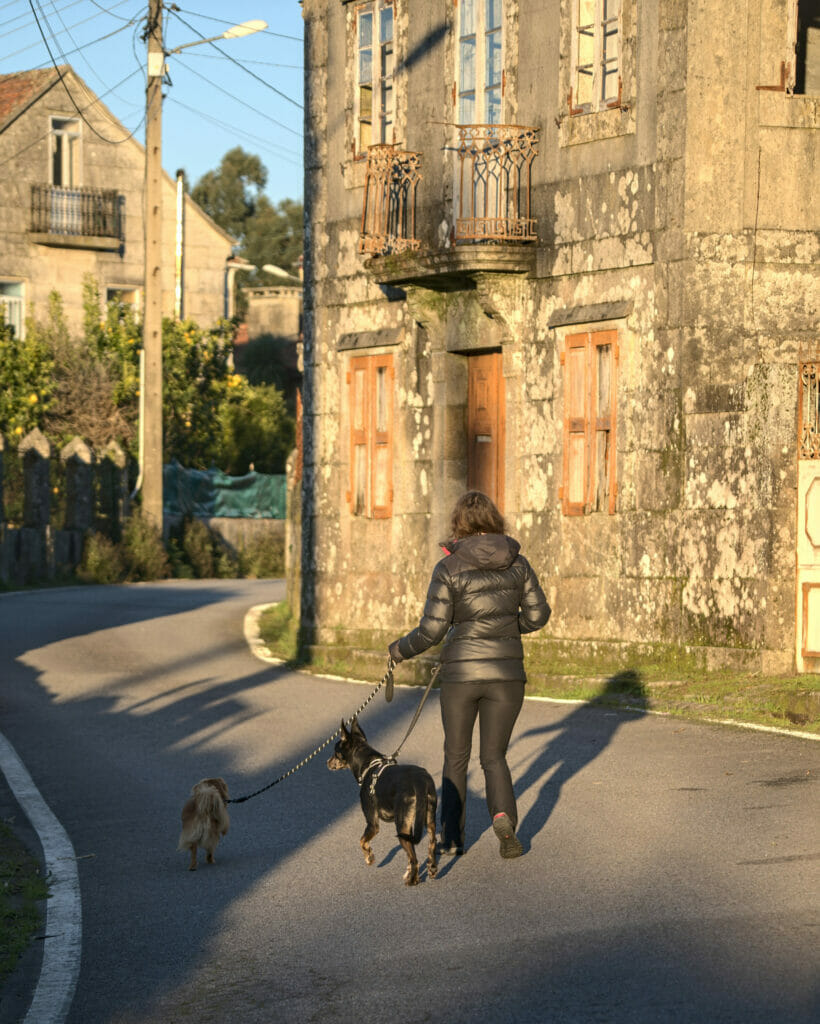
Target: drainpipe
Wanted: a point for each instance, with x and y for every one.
(180, 248)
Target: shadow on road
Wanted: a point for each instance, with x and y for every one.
(575, 742)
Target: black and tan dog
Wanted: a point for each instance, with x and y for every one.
(404, 793)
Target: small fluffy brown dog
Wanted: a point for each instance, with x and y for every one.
(204, 819)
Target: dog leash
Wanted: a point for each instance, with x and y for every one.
(386, 680)
(387, 677)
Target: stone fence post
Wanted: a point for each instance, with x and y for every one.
(35, 451)
(35, 561)
(78, 460)
(113, 491)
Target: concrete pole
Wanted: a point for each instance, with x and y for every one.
(152, 323)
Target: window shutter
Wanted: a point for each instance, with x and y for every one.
(576, 405)
(382, 434)
(358, 434)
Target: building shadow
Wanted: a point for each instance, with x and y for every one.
(575, 743)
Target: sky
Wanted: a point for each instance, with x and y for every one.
(248, 95)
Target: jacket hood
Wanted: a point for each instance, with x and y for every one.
(487, 550)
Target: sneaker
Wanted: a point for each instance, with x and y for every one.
(510, 843)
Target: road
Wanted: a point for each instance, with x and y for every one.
(671, 872)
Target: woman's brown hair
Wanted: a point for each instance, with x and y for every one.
(474, 513)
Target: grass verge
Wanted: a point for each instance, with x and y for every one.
(786, 702)
(22, 890)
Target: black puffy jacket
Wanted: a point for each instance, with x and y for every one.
(481, 598)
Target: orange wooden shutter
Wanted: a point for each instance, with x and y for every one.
(576, 414)
(381, 388)
(359, 419)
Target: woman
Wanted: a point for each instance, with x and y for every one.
(483, 595)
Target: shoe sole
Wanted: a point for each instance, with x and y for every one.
(509, 841)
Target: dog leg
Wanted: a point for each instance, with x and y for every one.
(371, 830)
(432, 865)
(411, 875)
(192, 865)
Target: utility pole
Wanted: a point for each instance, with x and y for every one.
(152, 501)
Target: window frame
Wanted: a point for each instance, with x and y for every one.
(73, 157)
(480, 87)
(382, 127)
(591, 423)
(20, 303)
(374, 435)
(600, 100)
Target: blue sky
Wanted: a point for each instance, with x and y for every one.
(212, 103)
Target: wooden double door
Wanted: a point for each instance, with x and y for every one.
(485, 425)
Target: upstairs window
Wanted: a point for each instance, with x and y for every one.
(596, 55)
(374, 74)
(480, 86)
(371, 436)
(65, 152)
(590, 364)
(805, 40)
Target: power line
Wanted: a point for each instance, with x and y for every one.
(106, 10)
(208, 17)
(22, 28)
(239, 64)
(77, 24)
(115, 142)
(236, 99)
(232, 129)
(86, 46)
(264, 63)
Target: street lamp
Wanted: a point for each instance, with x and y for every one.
(151, 425)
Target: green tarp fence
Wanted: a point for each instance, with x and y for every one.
(207, 493)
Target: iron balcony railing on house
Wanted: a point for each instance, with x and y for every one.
(389, 206)
(89, 212)
(494, 183)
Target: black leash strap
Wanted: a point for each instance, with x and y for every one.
(424, 697)
(387, 677)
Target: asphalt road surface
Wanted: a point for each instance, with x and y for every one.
(671, 870)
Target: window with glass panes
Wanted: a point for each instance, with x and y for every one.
(480, 85)
(374, 74)
(596, 64)
(590, 370)
(371, 436)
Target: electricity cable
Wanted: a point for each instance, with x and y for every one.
(239, 64)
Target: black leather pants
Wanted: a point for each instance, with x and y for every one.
(497, 704)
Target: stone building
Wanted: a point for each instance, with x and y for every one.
(567, 252)
(71, 204)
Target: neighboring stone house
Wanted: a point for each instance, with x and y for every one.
(567, 253)
(71, 204)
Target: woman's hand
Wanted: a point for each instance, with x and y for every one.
(395, 653)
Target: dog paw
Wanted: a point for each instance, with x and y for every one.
(369, 858)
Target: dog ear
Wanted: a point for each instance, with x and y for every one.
(345, 733)
(357, 729)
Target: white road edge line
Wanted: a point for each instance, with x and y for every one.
(62, 947)
(258, 648)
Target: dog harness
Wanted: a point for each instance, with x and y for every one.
(378, 764)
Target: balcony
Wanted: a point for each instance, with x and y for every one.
(83, 218)
(488, 229)
(389, 208)
(494, 183)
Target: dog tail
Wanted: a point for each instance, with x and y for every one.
(411, 820)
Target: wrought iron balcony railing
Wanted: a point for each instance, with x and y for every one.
(494, 183)
(389, 207)
(90, 212)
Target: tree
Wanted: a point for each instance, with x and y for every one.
(231, 193)
(267, 232)
(26, 381)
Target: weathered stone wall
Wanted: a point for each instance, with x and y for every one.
(686, 220)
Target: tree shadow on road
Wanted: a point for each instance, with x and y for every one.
(578, 739)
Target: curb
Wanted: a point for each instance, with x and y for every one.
(260, 650)
(62, 946)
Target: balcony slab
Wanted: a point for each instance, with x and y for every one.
(452, 269)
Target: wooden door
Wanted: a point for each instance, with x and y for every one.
(485, 426)
(807, 618)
